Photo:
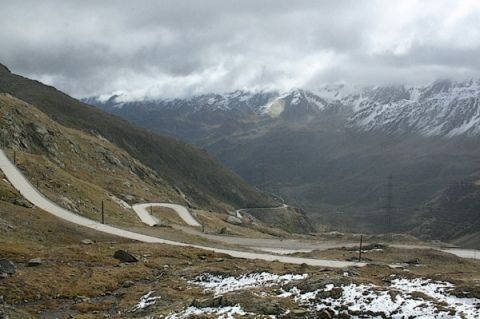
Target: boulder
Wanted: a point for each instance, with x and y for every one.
(87, 241)
(334, 293)
(317, 283)
(326, 314)
(123, 256)
(234, 220)
(344, 315)
(271, 308)
(22, 202)
(7, 267)
(414, 261)
(35, 262)
(299, 313)
(208, 302)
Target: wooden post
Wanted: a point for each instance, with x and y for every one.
(360, 250)
(103, 213)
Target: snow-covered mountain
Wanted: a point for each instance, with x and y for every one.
(443, 108)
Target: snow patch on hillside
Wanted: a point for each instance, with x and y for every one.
(230, 312)
(404, 298)
(146, 301)
(220, 284)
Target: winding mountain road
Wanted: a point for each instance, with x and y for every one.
(147, 218)
(20, 182)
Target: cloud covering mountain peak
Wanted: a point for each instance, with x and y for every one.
(177, 49)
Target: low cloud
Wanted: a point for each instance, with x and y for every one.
(179, 48)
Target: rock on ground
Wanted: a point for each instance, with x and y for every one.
(123, 256)
(7, 267)
(234, 220)
(34, 262)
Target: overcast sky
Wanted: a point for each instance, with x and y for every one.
(178, 48)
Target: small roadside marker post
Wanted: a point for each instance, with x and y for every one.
(103, 213)
(360, 250)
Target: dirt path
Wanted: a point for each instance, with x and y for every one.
(288, 246)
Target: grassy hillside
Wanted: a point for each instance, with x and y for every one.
(206, 183)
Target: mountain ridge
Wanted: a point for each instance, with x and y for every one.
(452, 106)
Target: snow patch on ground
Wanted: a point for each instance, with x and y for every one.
(146, 300)
(220, 312)
(400, 300)
(220, 285)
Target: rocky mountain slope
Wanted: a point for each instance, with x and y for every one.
(75, 169)
(332, 150)
(444, 108)
(184, 168)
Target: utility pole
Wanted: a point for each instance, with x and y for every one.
(360, 249)
(14, 157)
(263, 171)
(389, 200)
(103, 213)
